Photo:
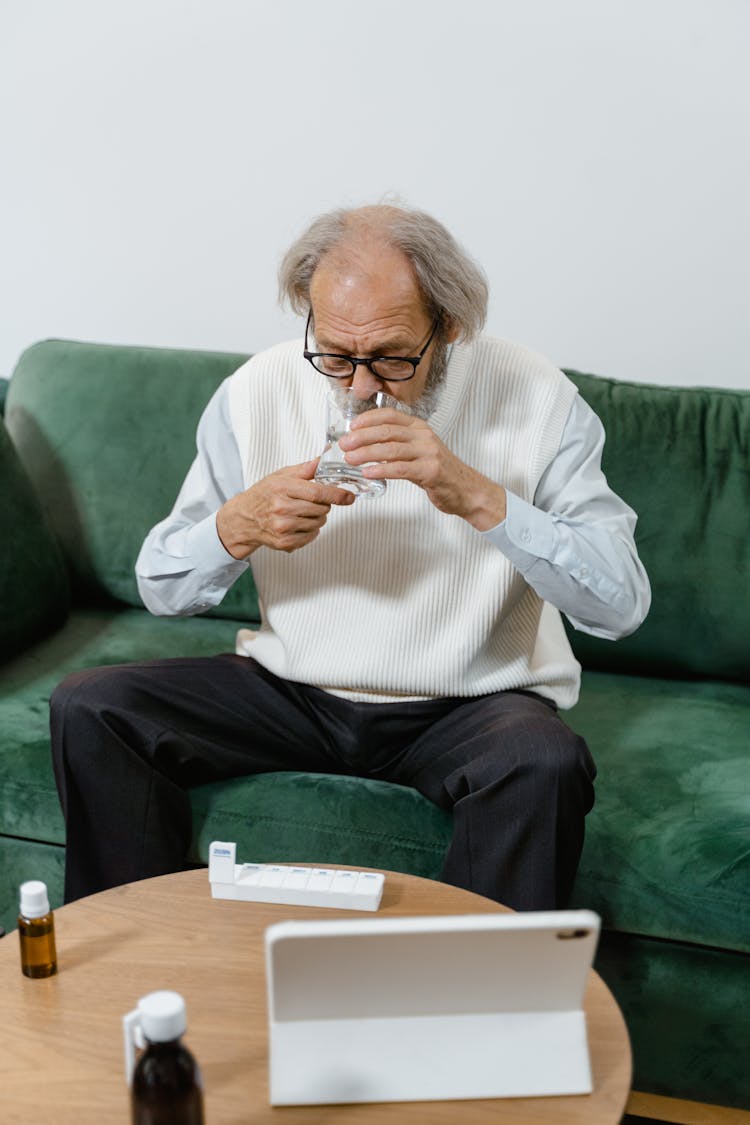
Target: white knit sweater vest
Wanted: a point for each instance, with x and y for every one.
(395, 600)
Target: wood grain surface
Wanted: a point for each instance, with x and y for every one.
(61, 1057)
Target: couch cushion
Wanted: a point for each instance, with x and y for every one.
(25, 859)
(107, 480)
(666, 843)
(686, 1009)
(322, 818)
(33, 579)
(28, 798)
(276, 816)
(681, 459)
(666, 852)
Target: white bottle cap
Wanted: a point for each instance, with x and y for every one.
(34, 899)
(163, 1016)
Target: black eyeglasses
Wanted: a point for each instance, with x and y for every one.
(389, 368)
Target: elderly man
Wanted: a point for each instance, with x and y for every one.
(414, 638)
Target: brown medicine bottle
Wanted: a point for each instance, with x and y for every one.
(36, 931)
(166, 1085)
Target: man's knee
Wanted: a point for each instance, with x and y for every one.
(559, 756)
(576, 756)
(539, 746)
(90, 691)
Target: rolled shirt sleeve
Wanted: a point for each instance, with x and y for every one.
(574, 545)
(183, 567)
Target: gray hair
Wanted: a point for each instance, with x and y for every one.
(453, 286)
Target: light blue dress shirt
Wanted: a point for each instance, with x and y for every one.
(574, 545)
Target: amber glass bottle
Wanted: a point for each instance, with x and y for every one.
(36, 931)
(166, 1087)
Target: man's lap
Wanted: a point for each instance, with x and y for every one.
(243, 718)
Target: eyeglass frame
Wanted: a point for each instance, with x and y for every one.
(356, 361)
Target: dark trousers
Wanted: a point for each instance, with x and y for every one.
(129, 740)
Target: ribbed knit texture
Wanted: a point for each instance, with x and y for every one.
(395, 600)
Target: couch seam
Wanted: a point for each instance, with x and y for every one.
(654, 888)
(352, 833)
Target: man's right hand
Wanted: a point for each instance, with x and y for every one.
(283, 511)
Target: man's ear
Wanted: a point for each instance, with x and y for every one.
(451, 331)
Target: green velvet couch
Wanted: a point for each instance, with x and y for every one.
(95, 442)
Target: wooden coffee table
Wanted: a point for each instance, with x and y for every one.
(61, 1057)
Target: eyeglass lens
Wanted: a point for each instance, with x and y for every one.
(341, 367)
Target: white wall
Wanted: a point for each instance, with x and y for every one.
(159, 155)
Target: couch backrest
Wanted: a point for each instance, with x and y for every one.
(34, 593)
(107, 434)
(681, 459)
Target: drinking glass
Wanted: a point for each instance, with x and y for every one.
(343, 405)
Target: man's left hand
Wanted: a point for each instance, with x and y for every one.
(405, 448)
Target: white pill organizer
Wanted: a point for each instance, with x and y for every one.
(429, 1008)
(333, 887)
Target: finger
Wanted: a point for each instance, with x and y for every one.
(303, 471)
(324, 494)
(343, 498)
(293, 543)
(290, 509)
(356, 438)
(384, 416)
(392, 470)
(302, 486)
(389, 451)
(296, 525)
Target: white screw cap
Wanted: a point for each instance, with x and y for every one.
(163, 1016)
(34, 901)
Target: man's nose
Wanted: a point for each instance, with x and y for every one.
(364, 383)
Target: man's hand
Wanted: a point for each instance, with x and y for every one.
(407, 449)
(283, 511)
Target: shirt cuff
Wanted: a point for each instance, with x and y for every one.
(525, 535)
(207, 551)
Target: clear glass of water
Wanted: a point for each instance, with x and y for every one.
(343, 405)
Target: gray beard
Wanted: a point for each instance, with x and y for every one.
(427, 402)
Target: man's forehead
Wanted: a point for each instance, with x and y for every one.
(371, 265)
(385, 299)
(373, 322)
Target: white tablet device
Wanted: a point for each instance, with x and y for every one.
(426, 1008)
